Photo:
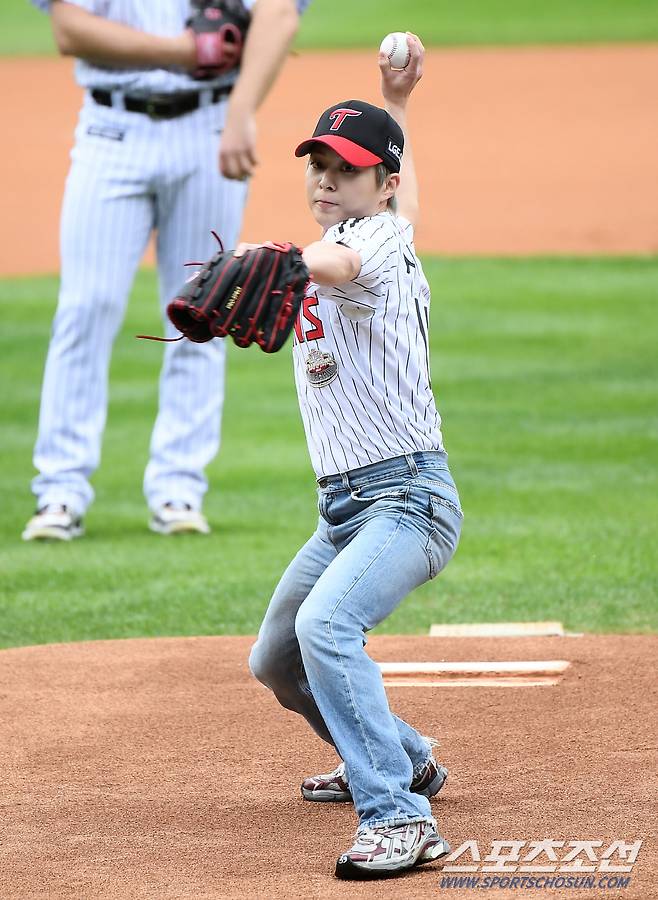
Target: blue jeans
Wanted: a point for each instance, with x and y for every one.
(383, 530)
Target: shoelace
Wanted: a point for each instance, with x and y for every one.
(365, 835)
(51, 508)
(373, 836)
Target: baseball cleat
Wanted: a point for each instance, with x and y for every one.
(178, 518)
(334, 786)
(387, 851)
(53, 522)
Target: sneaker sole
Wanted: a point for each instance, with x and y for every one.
(326, 796)
(181, 528)
(335, 797)
(351, 871)
(53, 533)
(436, 850)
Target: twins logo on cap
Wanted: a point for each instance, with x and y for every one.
(339, 116)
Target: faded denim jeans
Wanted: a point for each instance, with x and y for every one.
(383, 530)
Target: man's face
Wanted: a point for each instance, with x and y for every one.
(337, 190)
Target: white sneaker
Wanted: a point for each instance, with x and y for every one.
(53, 522)
(178, 518)
(383, 852)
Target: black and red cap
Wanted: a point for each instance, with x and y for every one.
(363, 134)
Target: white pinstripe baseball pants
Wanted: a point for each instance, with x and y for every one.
(130, 175)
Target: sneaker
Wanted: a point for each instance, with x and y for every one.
(55, 523)
(330, 788)
(431, 777)
(178, 518)
(386, 851)
(334, 787)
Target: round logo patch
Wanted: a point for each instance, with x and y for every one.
(321, 368)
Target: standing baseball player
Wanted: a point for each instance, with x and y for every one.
(390, 517)
(165, 142)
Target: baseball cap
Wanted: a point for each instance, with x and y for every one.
(363, 134)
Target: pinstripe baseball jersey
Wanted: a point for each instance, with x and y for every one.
(162, 17)
(361, 353)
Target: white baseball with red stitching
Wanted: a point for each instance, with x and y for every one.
(396, 47)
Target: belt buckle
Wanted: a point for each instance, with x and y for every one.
(152, 102)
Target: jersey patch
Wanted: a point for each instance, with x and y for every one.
(321, 368)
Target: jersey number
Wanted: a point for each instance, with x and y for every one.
(306, 318)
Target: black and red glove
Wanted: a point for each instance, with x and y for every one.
(253, 298)
(219, 28)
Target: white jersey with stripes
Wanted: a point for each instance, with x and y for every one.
(361, 353)
(165, 18)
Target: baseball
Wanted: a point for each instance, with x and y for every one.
(395, 46)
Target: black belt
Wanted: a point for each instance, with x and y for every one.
(162, 106)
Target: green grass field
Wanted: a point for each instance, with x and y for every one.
(343, 23)
(545, 372)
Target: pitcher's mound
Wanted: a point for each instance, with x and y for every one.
(161, 769)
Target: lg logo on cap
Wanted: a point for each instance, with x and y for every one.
(394, 149)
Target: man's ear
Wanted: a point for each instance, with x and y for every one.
(391, 185)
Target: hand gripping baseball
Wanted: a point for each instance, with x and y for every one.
(219, 28)
(397, 84)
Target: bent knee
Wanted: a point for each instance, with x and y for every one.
(316, 633)
(266, 664)
(311, 628)
(258, 662)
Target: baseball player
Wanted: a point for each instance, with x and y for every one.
(390, 516)
(159, 121)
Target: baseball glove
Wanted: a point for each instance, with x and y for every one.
(219, 28)
(253, 299)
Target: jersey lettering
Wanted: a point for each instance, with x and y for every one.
(409, 263)
(305, 313)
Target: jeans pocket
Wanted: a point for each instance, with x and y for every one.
(323, 502)
(377, 492)
(384, 487)
(446, 518)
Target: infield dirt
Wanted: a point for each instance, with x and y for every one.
(161, 769)
(520, 151)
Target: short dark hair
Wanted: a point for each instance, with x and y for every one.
(381, 174)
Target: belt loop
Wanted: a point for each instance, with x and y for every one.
(205, 97)
(118, 101)
(345, 480)
(411, 462)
